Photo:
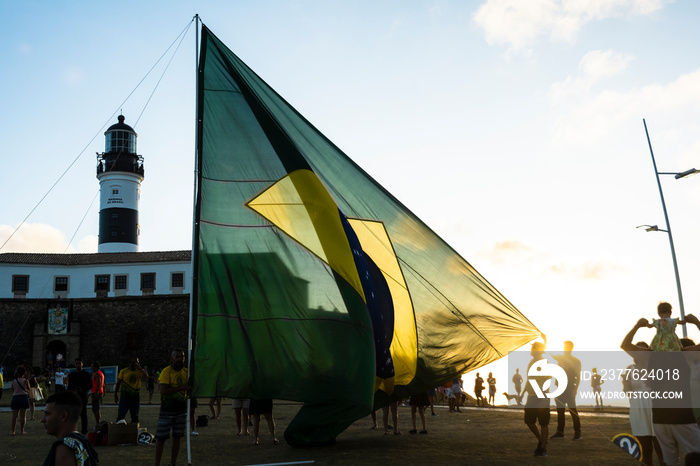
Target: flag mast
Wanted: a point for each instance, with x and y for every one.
(195, 229)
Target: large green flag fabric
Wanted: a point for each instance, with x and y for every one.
(313, 283)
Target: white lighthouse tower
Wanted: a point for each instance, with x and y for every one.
(120, 172)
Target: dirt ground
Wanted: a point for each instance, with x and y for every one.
(479, 436)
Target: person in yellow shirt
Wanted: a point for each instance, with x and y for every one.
(174, 386)
(129, 380)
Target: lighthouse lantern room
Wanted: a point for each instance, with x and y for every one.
(120, 172)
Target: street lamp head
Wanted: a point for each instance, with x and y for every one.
(651, 228)
(687, 173)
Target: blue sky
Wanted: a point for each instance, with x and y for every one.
(514, 129)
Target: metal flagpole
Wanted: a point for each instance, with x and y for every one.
(194, 230)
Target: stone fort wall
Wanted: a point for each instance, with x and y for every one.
(112, 330)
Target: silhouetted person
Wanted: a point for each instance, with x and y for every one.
(419, 402)
(517, 382)
(20, 400)
(240, 406)
(432, 396)
(80, 382)
(537, 408)
(215, 407)
(491, 380)
(572, 367)
(394, 408)
(264, 407)
(457, 391)
(478, 388)
(640, 413)
(98, 390)
(674, 423)
(596, 382)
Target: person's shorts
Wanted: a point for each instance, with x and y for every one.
(19, 402)
(238, 403)
(167, 421)
(540, 415)
(260, 406)
(96, 402)
(419, 399)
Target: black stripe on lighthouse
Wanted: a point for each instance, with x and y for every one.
(119, 225)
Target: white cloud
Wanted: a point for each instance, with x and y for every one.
(518, 257)
(597, 64)
(436, 11)
(604, 113)
(509, 251)
(38, 237)
(593, 67)
(395, 27)
(519, 24)
(73, 77)
(25, 49)
(34, 237)
(584, 271)
(87, 244)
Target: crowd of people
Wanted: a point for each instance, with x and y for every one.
(65, 413)
(665, 428)
(73, 389)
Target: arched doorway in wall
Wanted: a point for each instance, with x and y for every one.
(56, 353)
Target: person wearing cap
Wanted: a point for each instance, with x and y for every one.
(537, 408)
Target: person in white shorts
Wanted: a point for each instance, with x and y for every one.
(240, 406)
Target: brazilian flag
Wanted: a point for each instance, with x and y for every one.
(312, 282)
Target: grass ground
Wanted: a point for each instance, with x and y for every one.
(479, 436)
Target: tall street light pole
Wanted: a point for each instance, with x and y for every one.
(668, 225)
